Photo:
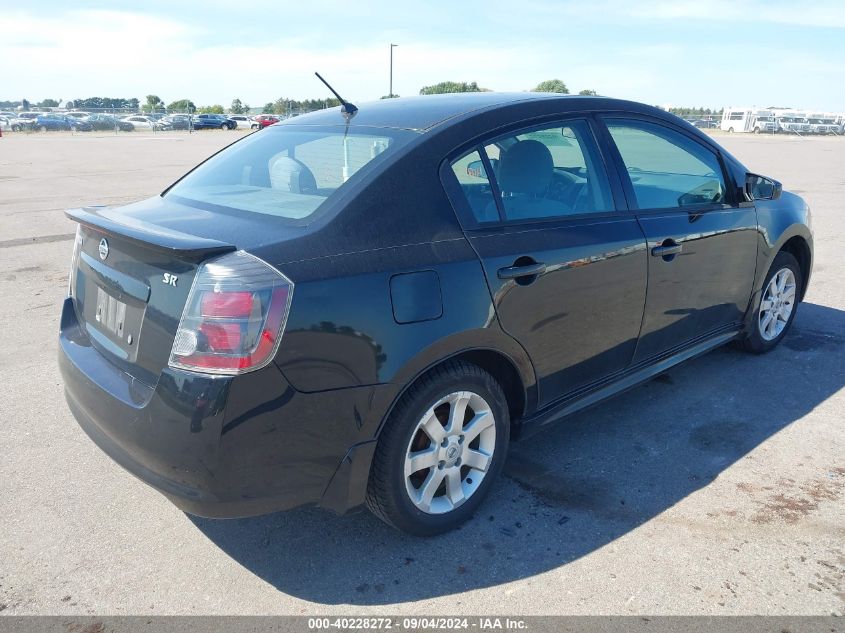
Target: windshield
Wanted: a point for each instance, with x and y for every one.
(286, 171)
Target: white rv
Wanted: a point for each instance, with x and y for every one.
(821, 123)
(748, 120)
(764, 121)
(735, 120)
(792, 122)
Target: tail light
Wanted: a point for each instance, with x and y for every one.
(234, 317)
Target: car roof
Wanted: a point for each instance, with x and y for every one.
(425, 112)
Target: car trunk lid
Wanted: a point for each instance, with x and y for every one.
(130, 281)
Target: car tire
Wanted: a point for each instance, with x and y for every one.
(253, 127)
(730, 130)
(771, 320)
(16, 128)
(427, 424)
(43, 128)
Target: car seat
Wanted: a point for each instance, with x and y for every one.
(525, 173)
(289, 174)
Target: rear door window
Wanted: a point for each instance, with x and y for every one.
(553, 171)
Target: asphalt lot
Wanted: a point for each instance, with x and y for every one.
(718, 488)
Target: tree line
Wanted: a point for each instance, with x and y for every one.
(286, 106)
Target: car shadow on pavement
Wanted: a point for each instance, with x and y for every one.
(566, 491)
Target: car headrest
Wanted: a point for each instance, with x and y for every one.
(291, 175)
(526, 167)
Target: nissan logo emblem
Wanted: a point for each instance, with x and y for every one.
(103, 249)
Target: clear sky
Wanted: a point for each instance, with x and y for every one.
(707, 53)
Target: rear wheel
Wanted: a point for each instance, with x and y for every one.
(730, 130)
(440, 451)
(778, 305)
(43, 128)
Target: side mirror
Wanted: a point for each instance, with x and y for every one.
(476, 168)
(762, 188)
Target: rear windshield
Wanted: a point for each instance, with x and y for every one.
(286, 171)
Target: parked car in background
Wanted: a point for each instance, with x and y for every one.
(265, 120)
(108, 122)
(704, 123)
(143, 122)
(244, 121)
(340, 311)
(55, 122)
(76, 114)
(213, 121)
(162, 119)
(24, 120)
(178, 121)
(5, 123)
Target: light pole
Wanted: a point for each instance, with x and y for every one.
(392, 46)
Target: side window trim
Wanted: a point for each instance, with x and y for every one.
(622, 171)
(606, 153)
(494, 183)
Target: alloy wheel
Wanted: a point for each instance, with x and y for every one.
(777, 304)
(449, 452)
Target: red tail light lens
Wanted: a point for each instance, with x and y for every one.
(226, 304)
(222, 337)
(234, 317)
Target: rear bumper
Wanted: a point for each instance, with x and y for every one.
(220, 447)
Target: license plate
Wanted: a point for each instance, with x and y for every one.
(110, 314)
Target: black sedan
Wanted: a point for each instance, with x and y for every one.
(178, 121)
(367, 307)
(108, 122)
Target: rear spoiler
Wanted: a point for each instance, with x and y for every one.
(179, 244)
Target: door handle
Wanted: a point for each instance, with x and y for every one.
(666, 250)
(515, 272)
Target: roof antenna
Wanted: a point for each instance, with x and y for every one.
(347, 109)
